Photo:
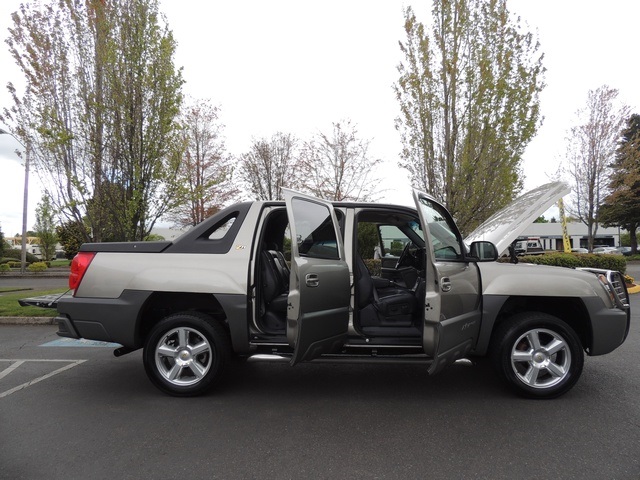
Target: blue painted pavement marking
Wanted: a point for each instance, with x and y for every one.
(82, 342)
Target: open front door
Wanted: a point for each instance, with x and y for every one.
(452, 311)
(319, 288)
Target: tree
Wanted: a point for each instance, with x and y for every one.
(45, 228)
(99, 109)
(621, 208)
(591, 150)
(469, 103)
(71, 235)
(338, 166)
(206, 169)
(270, 165)
(2, 244)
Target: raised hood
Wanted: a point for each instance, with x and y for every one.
(504, 226)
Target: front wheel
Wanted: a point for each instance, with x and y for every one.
(538, 355)
(185, 354)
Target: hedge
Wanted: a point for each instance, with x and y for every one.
(577, 260)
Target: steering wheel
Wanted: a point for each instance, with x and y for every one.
(408, 256)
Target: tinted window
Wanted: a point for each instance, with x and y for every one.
(315, 233)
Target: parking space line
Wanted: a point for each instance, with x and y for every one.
(73, 363)
(10, 368)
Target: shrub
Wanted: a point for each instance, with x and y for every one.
(577, 260)
(16, 253)
(37, 267)
(4, 267)
(374, 266)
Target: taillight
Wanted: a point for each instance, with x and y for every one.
(79, 265)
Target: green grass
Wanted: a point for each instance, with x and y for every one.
(9, 306)
(60, 263)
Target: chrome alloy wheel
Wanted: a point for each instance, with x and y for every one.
(183, 356)
(541, 358)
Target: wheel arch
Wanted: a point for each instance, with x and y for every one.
(570, 310)
(160, 305)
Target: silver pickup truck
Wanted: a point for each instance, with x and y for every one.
(289, 281)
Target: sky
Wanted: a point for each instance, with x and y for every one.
(297, 66)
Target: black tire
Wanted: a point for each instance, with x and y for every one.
(185, 354)
(537, 354)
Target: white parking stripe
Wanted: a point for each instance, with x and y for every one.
(73, 363)
(11, 368)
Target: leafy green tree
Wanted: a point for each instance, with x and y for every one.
(469, 103)
(45, 228)
(368, 239)
(99, 109)
(71, 235)
(621, 208)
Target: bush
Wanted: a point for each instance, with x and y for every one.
(374, 266)
(4, 268)
(577, 260)
(37, 267)
(16, 253)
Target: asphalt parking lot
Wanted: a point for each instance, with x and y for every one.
(69, 411)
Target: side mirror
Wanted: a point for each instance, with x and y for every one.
(484, 251)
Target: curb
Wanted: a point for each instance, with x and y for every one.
(27, 321)
(634, 289)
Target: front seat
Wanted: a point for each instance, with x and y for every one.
(390, 307)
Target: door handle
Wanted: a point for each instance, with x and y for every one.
(445, 284)
(312, 280)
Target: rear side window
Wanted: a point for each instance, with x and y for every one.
(315, 233)
(222, 229)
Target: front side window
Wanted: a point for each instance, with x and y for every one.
(444, 237)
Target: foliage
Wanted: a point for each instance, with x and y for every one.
(205, 172)
(577, 260)
(71, 235)
(338, 167)
(16, 253)
(3, 246)
(374, 265)
(622, 206)
(629, 280)
(270, 165)
(99, 110)
(37, 267)
(368, 239)
(45, 228)
(468, 94)
(590, 152)
(4, 268)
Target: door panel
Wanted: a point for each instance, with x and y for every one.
(319, 290)
(452, 307)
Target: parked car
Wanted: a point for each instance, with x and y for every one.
(579, 250)
(606, 251)
(626, 251)
(231, 286)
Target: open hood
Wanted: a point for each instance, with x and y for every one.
(504, 226)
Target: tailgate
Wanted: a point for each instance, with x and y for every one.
(43, 301)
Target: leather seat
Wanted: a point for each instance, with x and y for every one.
(391, 306)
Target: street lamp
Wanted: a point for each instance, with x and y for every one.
(23, 254)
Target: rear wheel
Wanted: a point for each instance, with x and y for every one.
(538, 355)
(186, 353)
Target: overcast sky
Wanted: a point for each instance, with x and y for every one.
(296, 66)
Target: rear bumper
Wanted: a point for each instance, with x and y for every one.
(104, 319)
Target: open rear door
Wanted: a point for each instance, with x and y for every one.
(319, 288)
(452, 306)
